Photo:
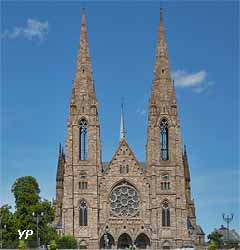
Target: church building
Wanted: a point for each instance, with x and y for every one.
(124, 202)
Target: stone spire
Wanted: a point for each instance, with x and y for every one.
(60, 165)
(122, 126)
(59, 186)
(162, 54)
(162, 85)
(190, 202)
(83, 84)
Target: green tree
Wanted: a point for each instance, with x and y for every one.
(67, 241)
(27, 198)
(26, 192)
(9, 224)
(217, 238)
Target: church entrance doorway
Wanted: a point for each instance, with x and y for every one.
(142, 241)
(107, 241)
(124, 241)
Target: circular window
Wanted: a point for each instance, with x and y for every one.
(124, 200)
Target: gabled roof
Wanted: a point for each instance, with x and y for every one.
(123, 143)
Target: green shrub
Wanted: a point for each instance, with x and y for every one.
(212, 246)
(67, 242)
(22, 245)
(53, 245)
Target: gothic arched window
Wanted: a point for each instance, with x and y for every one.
(165, 214)
(164, 139)
(83, 140)
(165, 183)
(83, 184)
(83, 216)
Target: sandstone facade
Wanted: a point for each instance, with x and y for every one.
(125, 202)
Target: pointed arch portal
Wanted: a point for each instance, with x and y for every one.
(142, 241)
(107, 241)
(124, 241)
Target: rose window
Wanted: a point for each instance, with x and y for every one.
(124, 200)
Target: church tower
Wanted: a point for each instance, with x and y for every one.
(83, 152)
(169, 186)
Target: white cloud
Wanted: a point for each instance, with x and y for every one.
(184, 79)
(33, 29)
(197, 81)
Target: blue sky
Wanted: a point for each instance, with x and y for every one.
(39, 42)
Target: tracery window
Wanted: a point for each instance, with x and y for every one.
(124, 200)
(83, 140)
(83, 185)
(165, 184)
(164, 139)
(83, 214)
(165, 214)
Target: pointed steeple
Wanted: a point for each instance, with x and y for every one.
(185, 164)
(83, 88)
(162, 68)
(60, 165)
(122, 126)
(162, 84)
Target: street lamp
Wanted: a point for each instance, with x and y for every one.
(228, 220)
(37, 217)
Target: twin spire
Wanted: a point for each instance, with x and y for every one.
(84, 79)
